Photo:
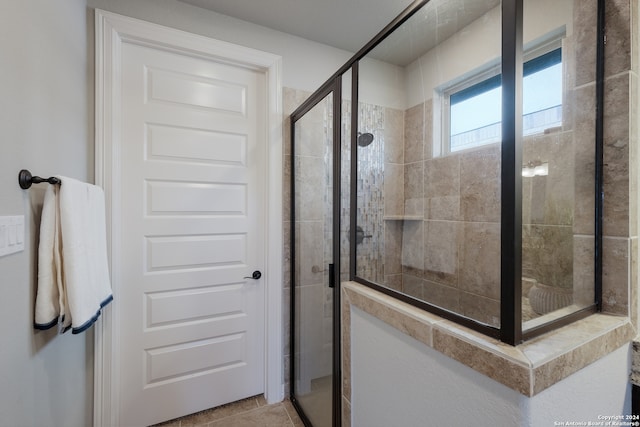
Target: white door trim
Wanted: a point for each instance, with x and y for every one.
(111, 31)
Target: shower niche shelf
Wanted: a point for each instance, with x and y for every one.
(403, 218)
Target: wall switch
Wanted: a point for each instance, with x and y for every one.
(11, 234)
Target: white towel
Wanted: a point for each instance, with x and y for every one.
(48, 303)
(82, 273)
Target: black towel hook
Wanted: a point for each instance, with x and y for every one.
(25, 179)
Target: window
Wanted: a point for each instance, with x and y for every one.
(473, 116)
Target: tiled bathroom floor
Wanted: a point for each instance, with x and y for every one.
(250, 412)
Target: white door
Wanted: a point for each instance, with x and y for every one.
(191, 326)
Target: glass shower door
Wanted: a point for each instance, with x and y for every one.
(313, 278)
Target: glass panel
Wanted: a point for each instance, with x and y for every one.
(558, 161)
(345, 177)
(429, 212)
(313, 322)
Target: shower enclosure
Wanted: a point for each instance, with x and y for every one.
(453, 163)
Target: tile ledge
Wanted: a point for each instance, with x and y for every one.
(537, 356)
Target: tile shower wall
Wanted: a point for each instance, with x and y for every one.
(370, 185)
(451, 223)
(446, 210)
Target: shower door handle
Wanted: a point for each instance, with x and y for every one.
(332, 275)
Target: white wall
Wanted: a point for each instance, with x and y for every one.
(396, 380)
(306, 65)
(45, 379)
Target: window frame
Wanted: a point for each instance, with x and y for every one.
(442, 95)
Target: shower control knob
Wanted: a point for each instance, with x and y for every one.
(255, 275)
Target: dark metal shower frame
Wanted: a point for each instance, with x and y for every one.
(510, 330)
(331, 87)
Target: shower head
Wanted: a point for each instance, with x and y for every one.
(365, 139)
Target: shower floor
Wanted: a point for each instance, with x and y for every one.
(317, 403)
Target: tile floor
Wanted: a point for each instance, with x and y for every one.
(250, 412)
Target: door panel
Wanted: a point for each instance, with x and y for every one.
(191, 330)
(313, 296)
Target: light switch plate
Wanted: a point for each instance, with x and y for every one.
(11, 234)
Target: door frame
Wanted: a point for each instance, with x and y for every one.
(111, 31)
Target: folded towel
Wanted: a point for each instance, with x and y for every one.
(48, 299)
(82, 274)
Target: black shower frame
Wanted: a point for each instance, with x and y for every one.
(510, 330)
(332, 86)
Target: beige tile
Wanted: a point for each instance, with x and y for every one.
(428, 129)
(635, 363)
(528, 368)
(616, 156)
(414, 134)
(615, 275)
(546, 348)
(346, 412)
(286, 254)
(172, 423)
(634, 153)
(286, 321)
(313, 131)
(633, 298)
(310, 252)
(547, 254)
(442, 188)
(413, 245)
(393, 136)
(404, 317)
(635, 34)
(286, 188)
(310, 180)
(480, 259)
(346, 344)
(392, 247)
(293, 415)
(480, 185)
(413, 286)
(442, 208)
(220, 412)
(443, 296)
(261, 400)
(393, 281)
(442, 240)
(482, 359)
(414, 189)
(484, 310)
(550, 199)
(569, 82)
(583, 270)
(286, 136)
(566, 364)
(584, 28)
(267, 416)
(618, 52)
(584, 158)
(287, 374)
(393, 189)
